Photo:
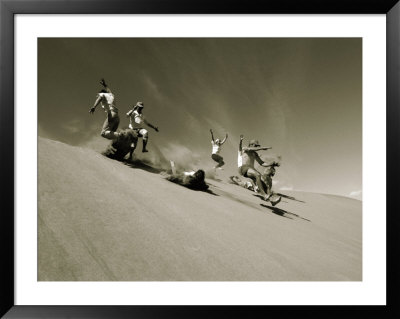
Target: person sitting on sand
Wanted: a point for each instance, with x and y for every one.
(136, 119)
(216, 147)
(107, 100)
(246, 157)
(124, 144)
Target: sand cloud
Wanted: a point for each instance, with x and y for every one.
(73, 126)
(183, 157)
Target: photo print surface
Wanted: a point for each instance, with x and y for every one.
(199, 159)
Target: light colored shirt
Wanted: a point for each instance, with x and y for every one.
(240, 159)
(191, 173)
(215, 147)
(136, 119)
(107, 101)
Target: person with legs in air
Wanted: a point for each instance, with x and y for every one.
(137, 121)
(216, 148)
(124, 145)
(107, 100)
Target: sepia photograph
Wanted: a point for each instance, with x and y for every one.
(199, 159)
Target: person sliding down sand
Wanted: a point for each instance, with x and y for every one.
(266, 181)
(193, 179)
(107, 100)
(246, 157)
(137, 119)
(216, 147)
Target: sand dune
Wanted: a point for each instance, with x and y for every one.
(101, 220)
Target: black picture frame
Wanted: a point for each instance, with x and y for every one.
(8, 10)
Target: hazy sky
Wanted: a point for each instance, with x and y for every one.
(303, 97)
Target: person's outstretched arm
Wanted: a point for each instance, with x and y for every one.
(240, 143)
(129, 113)
(97, 102)
(269, 165)
(152, 126)
(212, 135)
(260, 161)
(273, 164)
(223, 141)
(251, 148)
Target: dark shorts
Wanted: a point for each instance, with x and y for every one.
(217, 158)
(141, 132)
(111, 123)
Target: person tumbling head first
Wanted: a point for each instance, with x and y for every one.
(107, 100)
(216, 148)
(125, 144)
(137, 121)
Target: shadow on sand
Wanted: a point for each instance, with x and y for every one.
(283, 213)
(209, 191)
(200, 187)
(289, 197)
(138, 164)
(133, 163)
(142, 165)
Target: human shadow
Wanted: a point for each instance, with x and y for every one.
(283, 213)
(138, 164)
(203, 187)
(142, 165)
(289, 197)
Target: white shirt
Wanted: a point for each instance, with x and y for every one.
(138, 119)
(240, 160)
(107, 101)
(215, 147)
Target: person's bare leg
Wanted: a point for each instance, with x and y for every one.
(253, 174)
(144, 150)
(268, 184)
(110, 135)
(133, 147)
(110, 126)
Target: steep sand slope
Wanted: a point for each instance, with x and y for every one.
(99, 219)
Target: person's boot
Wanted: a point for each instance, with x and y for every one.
(267, 197)
(275, 199)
